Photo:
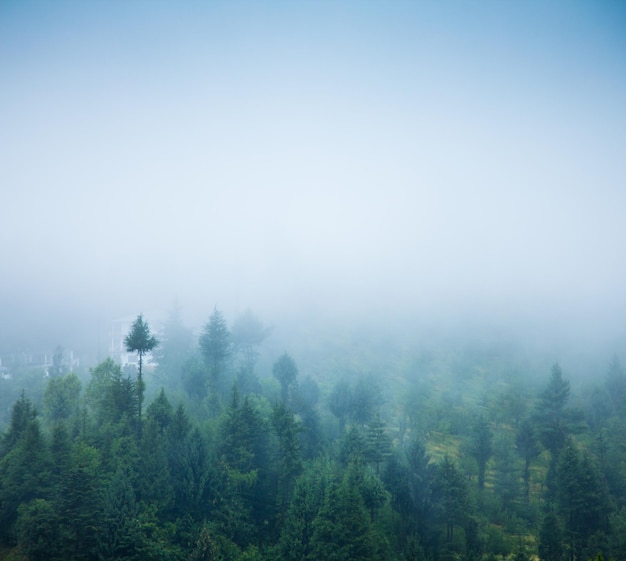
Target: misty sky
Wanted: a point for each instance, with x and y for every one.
(427, 156)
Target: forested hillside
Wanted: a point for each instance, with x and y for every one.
(215, 449)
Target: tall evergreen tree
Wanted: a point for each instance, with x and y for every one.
(141, 341)
(581, 498)
(551, 416)
(378, 443)
(288, 430)
(308, 496)
(216, 347)
(550, 539)
(342, 529)
(450, 495)
(174, 350)
(23, 413)
(80, 502)
(340, 402)
(247, 335)
(38, 530)
(481, 447)
(528, 448)
(286, 372)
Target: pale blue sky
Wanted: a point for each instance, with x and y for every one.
(416, 155)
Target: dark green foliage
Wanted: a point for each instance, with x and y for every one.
(308, 496)
(80, 502)
(481, 447)
(141, 341)
(377, 443)
(550, 539)
(113, 398)
(551, 416)
(38, 530)
(506, 467)
(288, 430)
(263, 479)
(25, 470)
(304, 402)
(160, 410)
(342, 529)
(60, 400)
(450, 496)
(581, 498)
(528, 448)
(118, 535)
(353, 446)
(22, 414)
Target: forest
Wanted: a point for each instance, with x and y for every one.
(350, 450)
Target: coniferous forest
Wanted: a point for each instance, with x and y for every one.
(213, 448)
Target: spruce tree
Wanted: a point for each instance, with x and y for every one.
(141, 341)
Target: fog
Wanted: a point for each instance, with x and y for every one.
(456, 163)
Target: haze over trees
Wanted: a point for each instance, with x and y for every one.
(293, 468)
(411, 215)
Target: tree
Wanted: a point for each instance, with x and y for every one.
(60, 400)
(308, 496)
(481, 448)
(340, 401)
(114, 399)
(616, 385)
(23, 413)
(506, 470)
(174, 349)
(286, 372)
(118, 535)
(342, 530)
(554, 421)
(287, 429)
(216, 348)
(450, 495)
(38, 530)
(551, 416)
(247, 335)
(528, 448)
(80, 502)
(421, 479)
(581, 498)
(140, 340)
(366, 397)
(378, 443)
(550, 537)
(25, 469)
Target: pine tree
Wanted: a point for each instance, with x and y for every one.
(481, 448)
(288, 430)
(216, 347)
(550, 538)
(286, 372)
(378, 443)
(141, 341)
(528, 448)
(450, 494)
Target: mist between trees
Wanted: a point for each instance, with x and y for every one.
(247, 443)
